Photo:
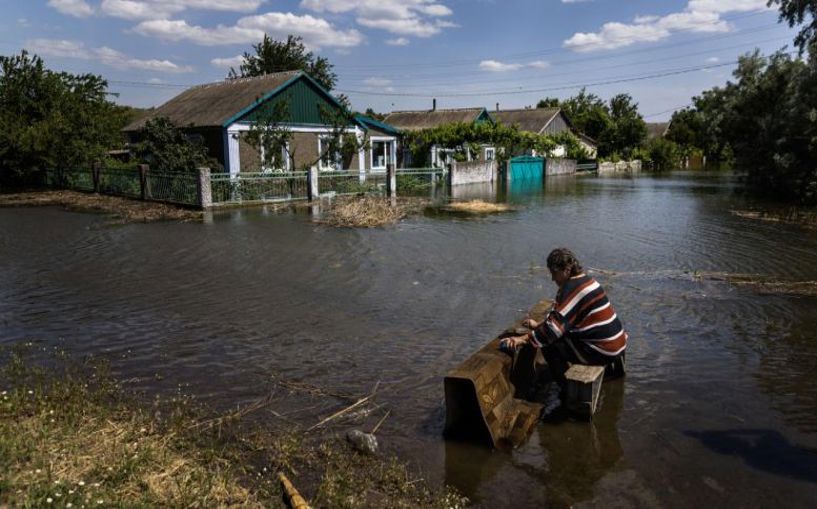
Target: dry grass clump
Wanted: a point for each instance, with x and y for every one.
(369, 211)
(70, 438)
(124, 209)
(795, 216)
(70, 443)
(478, 207)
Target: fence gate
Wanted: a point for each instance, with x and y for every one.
(526, 167)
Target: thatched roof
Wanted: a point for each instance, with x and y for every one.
(532, 120)
(213, 104)
(426, 119)
(657, 129)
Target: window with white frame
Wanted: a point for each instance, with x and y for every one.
(381, 153)
(280, 163)
(490, 153)
(330, 162)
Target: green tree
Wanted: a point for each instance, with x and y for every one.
(801, 13)
(663, 154)
(628, 129)
(167, 148)
(290, 55)
(548, 102)
(591, 116)
(50, 119)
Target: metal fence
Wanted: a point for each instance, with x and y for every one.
(172, 187)
(120, 182)
(258, 187)
(350, 182)
(79, 179)
(417, 181)
(180, 188)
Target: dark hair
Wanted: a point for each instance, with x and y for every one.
(563, 258)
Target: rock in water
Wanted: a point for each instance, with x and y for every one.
(363, 442)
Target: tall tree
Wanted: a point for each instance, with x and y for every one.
(589, 115)
(290, 55)
(802, 13)
(50, 119)
(628, 129)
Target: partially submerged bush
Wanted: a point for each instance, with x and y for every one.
(368, 211)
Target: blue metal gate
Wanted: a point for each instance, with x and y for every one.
(527, 168)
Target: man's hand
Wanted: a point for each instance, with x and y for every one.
(513, 342)
(530, 323)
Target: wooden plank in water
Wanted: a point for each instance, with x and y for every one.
(480, 393)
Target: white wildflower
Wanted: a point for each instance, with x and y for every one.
(49, 500)
(81, 483)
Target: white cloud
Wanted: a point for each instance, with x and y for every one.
(163, 9)
(377, 82)
(316, 32)
(400, 41)
(76, 8)
(497, 66)
(62, 48)
(418, 18)
(713, 60)
(698, 16)
(228, 63)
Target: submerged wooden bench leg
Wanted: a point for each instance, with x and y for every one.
(583, 389)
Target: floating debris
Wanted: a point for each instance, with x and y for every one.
(478, 207)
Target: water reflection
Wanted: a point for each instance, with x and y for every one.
(564, 459)
(764, 449)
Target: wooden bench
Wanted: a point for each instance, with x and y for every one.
(583, 389)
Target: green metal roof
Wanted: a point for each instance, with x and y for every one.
(376, 124)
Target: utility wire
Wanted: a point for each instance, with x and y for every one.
(547, 89)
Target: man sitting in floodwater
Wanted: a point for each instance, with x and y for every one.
(581, 327)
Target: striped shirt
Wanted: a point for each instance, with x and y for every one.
(582, 313)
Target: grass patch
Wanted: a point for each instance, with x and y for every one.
(478, 207)
(71, 437)
(122, 209)
(369, 211)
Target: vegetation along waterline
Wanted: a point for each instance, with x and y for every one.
(120, 209)
(72, 436)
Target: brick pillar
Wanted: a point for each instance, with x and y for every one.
(391, 181)
(205, 191)
(313, 193)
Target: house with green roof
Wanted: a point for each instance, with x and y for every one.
(219, 115)
(417, 120)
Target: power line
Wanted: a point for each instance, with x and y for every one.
(549, 74)
(548, 89)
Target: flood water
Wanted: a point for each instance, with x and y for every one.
(718, 406)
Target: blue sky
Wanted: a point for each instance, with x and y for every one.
(398, 54)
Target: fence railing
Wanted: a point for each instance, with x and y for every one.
(587, 166)
(181, 188)
(258, 187)
(203, 189)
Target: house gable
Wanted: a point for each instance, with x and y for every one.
(305, 98)
(483, 117)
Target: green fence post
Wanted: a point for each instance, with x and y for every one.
(95, 175)
(144, 192)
